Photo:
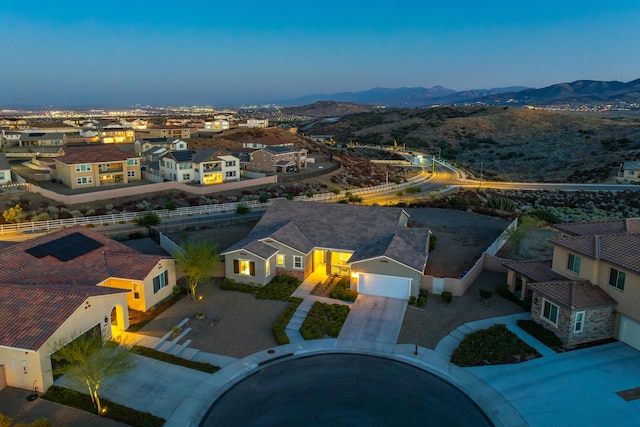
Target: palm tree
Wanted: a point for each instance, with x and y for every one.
(198, 260)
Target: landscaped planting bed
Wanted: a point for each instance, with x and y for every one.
(492, 346)
(324, 320)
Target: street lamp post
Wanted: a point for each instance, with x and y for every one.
(481, 164)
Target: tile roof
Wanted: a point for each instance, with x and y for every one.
(620, 250)
(19, 267)
(575, 295)
(93, 153)
(4, 163)
(623, 225)
(536, 270)
(28, 319)
(633, 166)
(368, 231)
(260, 249)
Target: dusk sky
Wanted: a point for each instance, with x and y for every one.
(120, 53)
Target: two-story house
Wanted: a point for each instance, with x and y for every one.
(279, 159)
(172, 144)
(96, 165)
(66, 283)
(181, 132)
(42, 139)
(590, 290)
(116, 134)
(267, 141)
(207, 166)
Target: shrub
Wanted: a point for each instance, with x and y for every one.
(501, 204)
(446, 297)
(147, 219)
(485, 293)
(284, 319)
(432, 242)
(412, 190)
(491, 346)
(263, 198)
(422, 301)
(175, 360)
(412, 300)
(342, 292)
(545, 215)
(540, 333)
(242, 209)
(324, 320)
(170, 205)
(14, 214)
(399, 193)
(44, 216)
(336, 190)
(309, 194)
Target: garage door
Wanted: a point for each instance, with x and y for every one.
(385, 286)
(629, 332)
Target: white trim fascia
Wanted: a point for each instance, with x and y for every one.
(390, 259)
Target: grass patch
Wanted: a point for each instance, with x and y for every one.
(342, 292)
(492, 346)
(324, 320)
(542, 334)
(114, 411)
(284, 319)
(170, 358)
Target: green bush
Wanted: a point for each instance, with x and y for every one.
(422, 301)
(342, 292)
(324, 320)
(492, 346)
(504, 292)
(545, 215)
(485, 293)
(446, 297)
(175, 360)
(540, 333)
(336, 190)
(284, 319)
(114, 411)
(170, 205)
(412, 300)
(432, 242)
(412, 190)
(501, 204)
(399, 193)
(242, 209)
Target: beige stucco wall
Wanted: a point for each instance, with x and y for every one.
(150, 299)
(260, 277)
(90, 313)
(587, 266)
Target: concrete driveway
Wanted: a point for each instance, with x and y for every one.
(374, 322)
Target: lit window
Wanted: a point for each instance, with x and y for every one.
(136, 291)
(578, 324)
(280, 260)
(344, 256)
(267, 268)
(616, 279)
(573, 264)
(244, 267)
(297, 262)
(549, 311)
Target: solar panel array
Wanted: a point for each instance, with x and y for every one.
(65, 248)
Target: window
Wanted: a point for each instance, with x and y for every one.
(267, 268)
(244, 267)
(84, 180)
(2, 176)
(280, 260)
(83, 168)
(230, 164)
(136, 291)
(186, 176)
(131, 174)
(230, 174)
(160, 281)
(344, 256)
(132, 162)
(549, 311)
(578, 324)
(573, 263)
(297, 262)
(184, 166)
(616, 278)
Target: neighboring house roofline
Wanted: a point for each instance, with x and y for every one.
(354, 263)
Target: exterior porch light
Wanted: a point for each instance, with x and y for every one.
(106, 320)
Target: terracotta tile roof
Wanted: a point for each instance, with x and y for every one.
(620, 250)
(17, 266)
(535, 270)
(614, 226)
(574, 295)
(30, 314)
(93, 153)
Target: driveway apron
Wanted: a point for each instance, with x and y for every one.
(373, 322)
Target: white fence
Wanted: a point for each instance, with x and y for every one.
(122, 218)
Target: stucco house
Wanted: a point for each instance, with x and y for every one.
(371, 245)
(96, 165)
(206, 166)
(171, 144)
(279, 159)
(590, 289)
(629, 171)
(5, 170)
(64, 284)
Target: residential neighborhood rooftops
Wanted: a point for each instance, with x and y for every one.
(575, 295)
(93, 153)
(617, 249)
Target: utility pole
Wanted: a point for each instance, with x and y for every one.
(386, 192)
(481, 164)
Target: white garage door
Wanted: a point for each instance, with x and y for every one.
(629, 332)
(385, 286)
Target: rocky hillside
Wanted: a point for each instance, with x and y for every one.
(509, 143)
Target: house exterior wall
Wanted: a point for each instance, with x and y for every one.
(587, 265)
(288, 253)
(98, 174)
(117, 136)
(388, 267)
(5, 176)
(182, 133)
(598, 323)
(150, 298)
(38, 363)
(260, 277)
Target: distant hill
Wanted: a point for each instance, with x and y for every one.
(578, 92)
(328, 109)
(404, 97)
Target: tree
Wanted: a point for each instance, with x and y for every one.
(147, 219)
(88, 361)
(14, 214)
(199, 260)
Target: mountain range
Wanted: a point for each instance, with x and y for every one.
(577, 92)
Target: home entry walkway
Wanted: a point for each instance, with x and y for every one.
(374, 322)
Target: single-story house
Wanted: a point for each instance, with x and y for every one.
(371, 245)
(61, 285)
(630, 171)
